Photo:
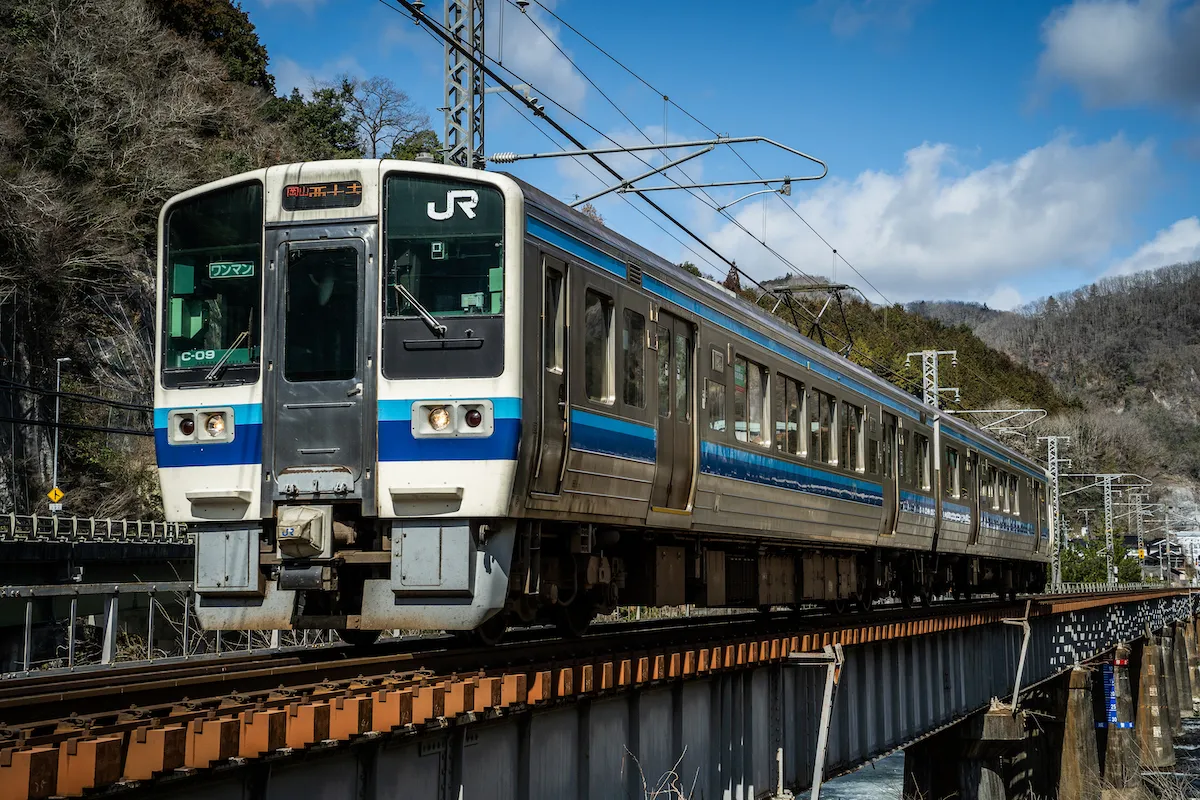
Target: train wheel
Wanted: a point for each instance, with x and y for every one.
(490, 632)
(357, 638)
(840, 606)
(864, 602)
(572, 621)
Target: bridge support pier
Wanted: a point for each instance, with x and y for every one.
(1170, 684)
(1152, 727)
(1122, 778)
(1189, 636)
(969, 761)
(1182, 672)
(1079, 772)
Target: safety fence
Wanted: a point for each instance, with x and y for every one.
(80, 530)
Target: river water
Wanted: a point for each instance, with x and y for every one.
(884, 780)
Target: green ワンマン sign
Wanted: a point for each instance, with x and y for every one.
(231, 269)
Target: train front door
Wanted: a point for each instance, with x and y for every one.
(891, 491)
(676, 419)
(552, 433)
(319, 418)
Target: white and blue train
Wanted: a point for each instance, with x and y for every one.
(406, 395)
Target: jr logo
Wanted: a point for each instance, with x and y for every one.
(466, 199)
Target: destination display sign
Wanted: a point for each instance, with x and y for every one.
(331, 194)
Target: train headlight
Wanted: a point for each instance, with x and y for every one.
(215, 425)
(439, 418)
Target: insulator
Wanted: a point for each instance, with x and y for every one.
(502, 158)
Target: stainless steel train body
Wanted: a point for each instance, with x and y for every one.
(406, 395)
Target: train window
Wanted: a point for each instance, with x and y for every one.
(905, 459)
(1002, 484)
(822, 409)
(453, 263)
(1015, 490)
(750, 412)
(598, 347)
(212, 274)
(953, 479)
(664, 371)
(886, 444)
(852, 437)
(552, 338)
(683, 377)
(633, 347)
(716, 406)
(321, 284)
(921, 446)
(789, 415)
(992, 488)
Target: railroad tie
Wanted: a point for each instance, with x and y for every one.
(210, 741)
(151, 751)
(88, 764)
(28, 774)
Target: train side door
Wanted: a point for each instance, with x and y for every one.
(676, 431)
(975, 484)
(320, 433)
(552, 435)
(889, 449)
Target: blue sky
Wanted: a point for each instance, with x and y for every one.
(995, 151)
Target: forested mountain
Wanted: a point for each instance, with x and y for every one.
(1126, 350)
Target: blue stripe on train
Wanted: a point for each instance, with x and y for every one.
(596, 433)
(246, 448)
(731, 462)
(396, 443)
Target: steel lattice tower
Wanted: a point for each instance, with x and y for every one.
(463, 140)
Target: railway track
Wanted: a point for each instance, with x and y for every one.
(192, 714)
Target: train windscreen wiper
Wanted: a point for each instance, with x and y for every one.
(438, 329)
(214, 374)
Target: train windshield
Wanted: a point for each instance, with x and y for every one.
(445, 247)
(212, 264)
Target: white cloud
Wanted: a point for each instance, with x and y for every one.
(1005, 298)
(1177, 244)
(290, 74)
(939, 229)
(1126, 52)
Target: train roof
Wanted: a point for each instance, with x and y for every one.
(718, 296)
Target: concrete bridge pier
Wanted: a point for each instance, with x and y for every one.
(1182, 672)
(1170, 687)
(1119, 762)
(971, 761)
(1189, 637)
(1079, 773)
(1152, 726)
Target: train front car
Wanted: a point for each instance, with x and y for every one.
(337, 414)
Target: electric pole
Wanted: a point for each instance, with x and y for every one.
(1109, 556)
(1053, 512)
(931, 392)
(463, 140)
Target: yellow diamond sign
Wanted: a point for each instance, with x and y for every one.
(55, 494)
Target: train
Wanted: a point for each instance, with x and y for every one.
(400, 395)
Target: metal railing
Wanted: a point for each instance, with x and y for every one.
(1106, 588)
(169, 605)
(63, 529)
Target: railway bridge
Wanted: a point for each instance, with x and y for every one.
(988, 698)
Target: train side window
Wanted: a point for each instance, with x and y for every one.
(1016, 495)
(683, 377)
(552, 337)
(716, 406)
(822, 410)
(904, 459)
(598, 347)
(633, 348)
(750, 406)
(789, 415)
(921, 445)
(852, 437)
(664, 371)
(993, 493)
(953, 481)
(1003, 487)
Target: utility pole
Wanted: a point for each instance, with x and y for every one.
(1057, 539)
(463, 139)
(931, 392)
(1109, 556)
(1141, 528)
(58, 362)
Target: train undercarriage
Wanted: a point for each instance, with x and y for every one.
(566, 574)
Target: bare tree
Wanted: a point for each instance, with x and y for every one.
(382, 114)
(589, 210)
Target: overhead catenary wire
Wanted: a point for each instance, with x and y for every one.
(693, 118)
(447, 38)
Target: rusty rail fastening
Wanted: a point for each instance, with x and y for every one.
(72, 755)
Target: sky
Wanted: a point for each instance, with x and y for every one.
(993, 152)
